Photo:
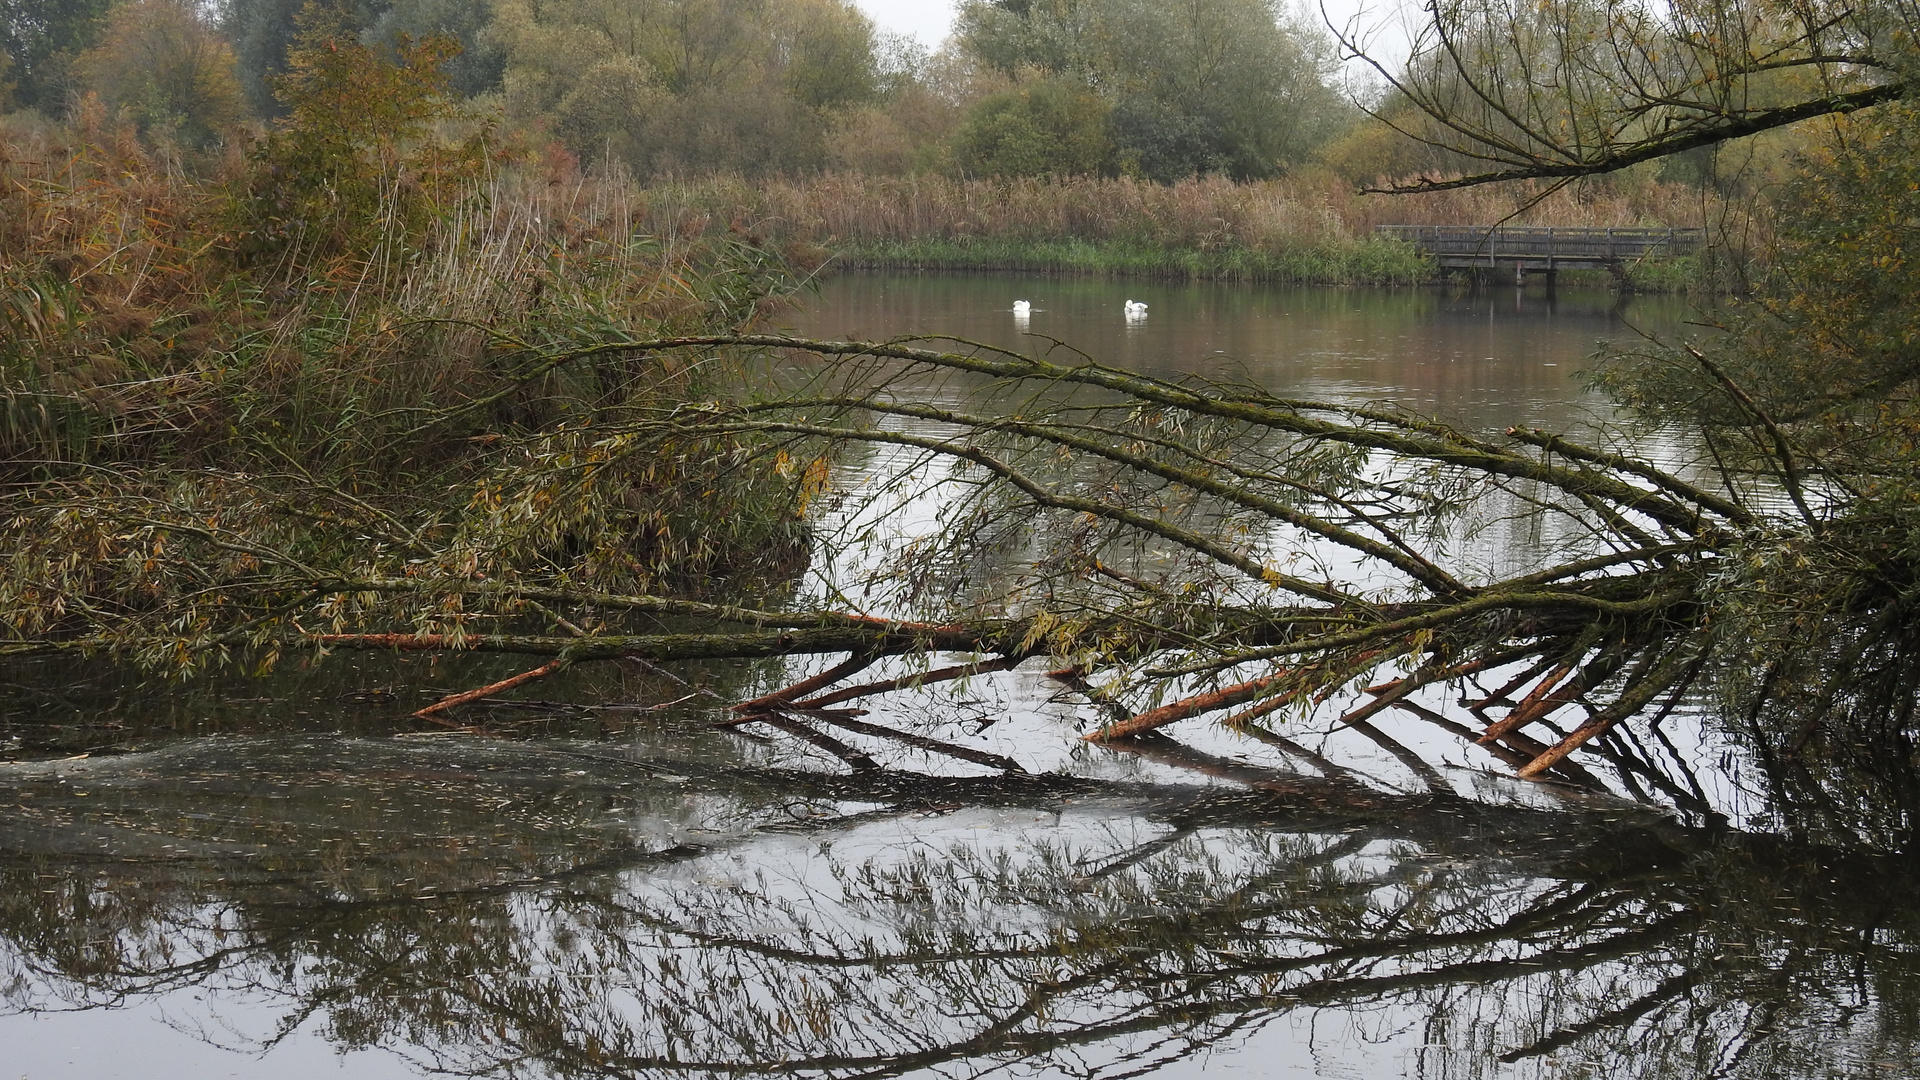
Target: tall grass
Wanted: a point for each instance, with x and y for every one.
(182, 425)
(1305, 229)
(123, 303)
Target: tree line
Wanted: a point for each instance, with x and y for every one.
(687, 87)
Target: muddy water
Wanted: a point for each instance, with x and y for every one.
(290, 878)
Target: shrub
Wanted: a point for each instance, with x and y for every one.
(1043, 129)
(357, 157)
(169, 69)
(389, 391)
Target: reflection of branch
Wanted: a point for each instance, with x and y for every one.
(1427, 774)
(1621, 1017)
(1191, 941)
(1138, 855)
(1316, 793)
(922, 742)
(858, 760)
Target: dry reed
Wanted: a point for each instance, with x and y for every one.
(1199, 213)
(1310, 227)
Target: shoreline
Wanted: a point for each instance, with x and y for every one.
(1368, 262)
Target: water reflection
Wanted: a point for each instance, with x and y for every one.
(604, 886)
(566, 910)
(1487, 359)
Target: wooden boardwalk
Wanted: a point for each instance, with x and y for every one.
(1523, 249)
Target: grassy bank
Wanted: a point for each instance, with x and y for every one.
(1308, 229)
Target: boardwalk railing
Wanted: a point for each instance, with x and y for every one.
(1523, 248)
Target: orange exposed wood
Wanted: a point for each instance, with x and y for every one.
(788, 694)
(1225, 697)
(1547, 695)
(490, 689)
(957, 671)
(1556, 753)
(389, 641)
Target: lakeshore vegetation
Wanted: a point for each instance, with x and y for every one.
(1218, 140)
(338, 350)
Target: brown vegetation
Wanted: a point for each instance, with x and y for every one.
(203, 379)
(1196, 213)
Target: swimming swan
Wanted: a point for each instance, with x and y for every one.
(1021, 307)
(1135, 309)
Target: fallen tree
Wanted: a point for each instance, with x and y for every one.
(1177, 549)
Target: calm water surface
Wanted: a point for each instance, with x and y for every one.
(290, 878)
(1485, 359)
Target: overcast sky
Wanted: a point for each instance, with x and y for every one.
(928, 20)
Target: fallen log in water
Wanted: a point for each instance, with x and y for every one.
(1173, 541)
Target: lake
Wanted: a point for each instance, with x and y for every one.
(290, 877)
(1486, 359)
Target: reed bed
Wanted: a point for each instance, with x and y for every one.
(134, 331)
(1311, 228)
(181, 418)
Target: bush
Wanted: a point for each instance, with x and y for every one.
(168, 69)
(356, 160)
(1043, 129)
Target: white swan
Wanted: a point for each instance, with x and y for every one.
(1136, 310)
(1022, 308)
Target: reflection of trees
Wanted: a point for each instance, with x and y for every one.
(1117, 937)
